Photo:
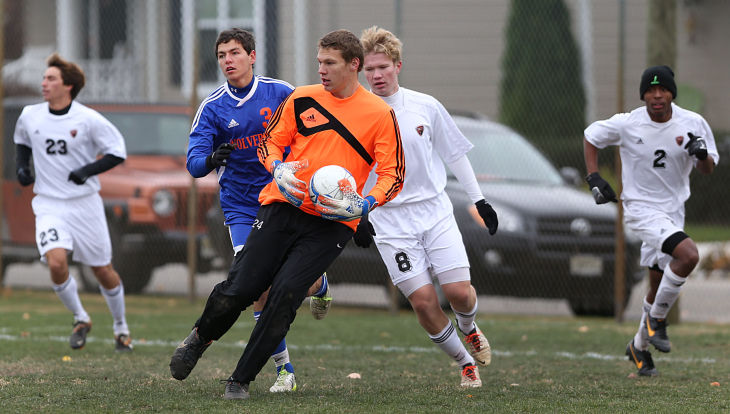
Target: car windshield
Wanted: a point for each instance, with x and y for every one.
(500, 154)
(152, 133)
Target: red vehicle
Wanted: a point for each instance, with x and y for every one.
(145, 198)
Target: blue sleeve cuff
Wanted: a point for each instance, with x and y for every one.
(371, 202)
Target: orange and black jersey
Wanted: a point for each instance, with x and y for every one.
(354, 132)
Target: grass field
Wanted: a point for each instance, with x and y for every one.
(540, 364)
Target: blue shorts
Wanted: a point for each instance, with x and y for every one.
(239, 226)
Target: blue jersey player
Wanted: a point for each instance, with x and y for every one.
(224, 137)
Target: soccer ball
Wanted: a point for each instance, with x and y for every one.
(325, 181)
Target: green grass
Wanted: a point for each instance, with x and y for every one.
(707, 233)
(540, 364)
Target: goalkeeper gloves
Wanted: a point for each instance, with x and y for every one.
(219, 157)
(289, 185)
(25, 177)
(350, 207)
(696, 146)
(487, 214)
(602, 191)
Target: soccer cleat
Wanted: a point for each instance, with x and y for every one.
(642, 360)
(320, 305)
(123, 343)
(284, 382)
(656, 330)
(235, 390)
(478, 346)
(470, 377)
(78, 334)
(187, 355)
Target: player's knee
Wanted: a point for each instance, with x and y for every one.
(423, 303)
(58, 268)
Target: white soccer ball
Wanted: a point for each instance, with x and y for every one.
(325, 181)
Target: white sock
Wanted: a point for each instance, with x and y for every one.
(115, 301)
(69, 294)
(450, 343)
(641, 339)
(466, 320)
(667, 293)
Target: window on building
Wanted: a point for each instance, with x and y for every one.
(213, 16)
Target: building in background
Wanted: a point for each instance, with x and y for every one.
(144, 50)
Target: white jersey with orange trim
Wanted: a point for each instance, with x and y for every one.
(655, 164)
(63, 143)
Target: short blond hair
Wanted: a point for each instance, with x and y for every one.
(378, 40)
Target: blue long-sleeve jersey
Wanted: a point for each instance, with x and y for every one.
(238, 116)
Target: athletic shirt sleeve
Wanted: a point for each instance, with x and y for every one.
(448, 141)
(390, 160)
(606, 132)
(20, 136)
(200, 143)
(706, 132)
(278, 134)
(107, 137)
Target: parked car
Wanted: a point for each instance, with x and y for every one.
(145, 198)
(553, 240)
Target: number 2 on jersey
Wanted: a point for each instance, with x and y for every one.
(658, 161)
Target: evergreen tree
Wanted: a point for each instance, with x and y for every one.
(542, 93)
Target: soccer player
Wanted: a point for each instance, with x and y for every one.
(291, 243)
(659, 144)
(64, 139)
(416, 233)
(225, 134)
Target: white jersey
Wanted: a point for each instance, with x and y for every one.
(63, 143)
(655, 165)
(430, 137)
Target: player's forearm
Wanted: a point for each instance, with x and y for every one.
(197, 167)
(22, 156)
(706, 166)
(590, 154)
(464, 173)
(105, 163)
(268, 152)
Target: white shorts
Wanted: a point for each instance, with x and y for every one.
(76, 224)
(653, 227)
(408, 286)
(413, 238)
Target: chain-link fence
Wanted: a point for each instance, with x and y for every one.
(545, 68)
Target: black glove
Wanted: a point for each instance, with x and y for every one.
(25, 177)
(602, 191)
(78, 176)
(488, 215)
(219, 157)
(364, 233)
(696, 146)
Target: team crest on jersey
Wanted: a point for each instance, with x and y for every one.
(73, 133)
(679, 140)
(419, 129)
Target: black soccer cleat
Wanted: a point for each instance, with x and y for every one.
(123, 343)
(187, 355)
(642, 360)
(235, 390)
(78, 334)
(656, 330)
